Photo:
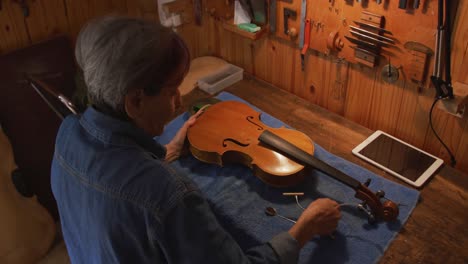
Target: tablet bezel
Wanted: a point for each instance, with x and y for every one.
(420, 180)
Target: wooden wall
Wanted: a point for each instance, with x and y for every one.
(51, 17)
(351, 90)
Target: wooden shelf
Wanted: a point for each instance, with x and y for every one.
(229, 25)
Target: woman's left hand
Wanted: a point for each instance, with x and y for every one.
(175, 148)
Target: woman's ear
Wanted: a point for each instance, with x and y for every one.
(133, 103)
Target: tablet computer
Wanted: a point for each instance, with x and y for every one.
(397, 157)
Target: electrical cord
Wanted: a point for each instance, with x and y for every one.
(452, 157)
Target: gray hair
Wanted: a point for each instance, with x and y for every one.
(117, 54)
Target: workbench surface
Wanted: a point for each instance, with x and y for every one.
(436, 231)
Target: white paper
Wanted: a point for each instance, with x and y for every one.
(240, 15)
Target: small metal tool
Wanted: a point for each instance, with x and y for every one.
(371, 38)
(372, 34)
(402, 4)
(372, 27)
(270, 211)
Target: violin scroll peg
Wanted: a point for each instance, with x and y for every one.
(367, 182)
(390, 210)
(370, 216)
(380, 193)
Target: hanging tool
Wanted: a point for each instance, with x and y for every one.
(365, 57)
(370, 38)
(443, 88)
(361, 42)
(372, 27)
(390, 73)
(303, 21)
(289, 13)
(303, 31)
(334, 42)
(416, 4)
(372, 34)
(420, 54)
(402, 4)
(306, 43)
(272, 16)
(197, 11)
(368, 52)
(372, 18)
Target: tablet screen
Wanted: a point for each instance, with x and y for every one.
(398, 157)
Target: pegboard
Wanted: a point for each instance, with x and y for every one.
(332, 20)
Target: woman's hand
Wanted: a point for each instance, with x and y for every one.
(175, 148)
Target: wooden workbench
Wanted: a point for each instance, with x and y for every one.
(436, 231)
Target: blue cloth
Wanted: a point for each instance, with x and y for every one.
(239, 199)
(120, 202)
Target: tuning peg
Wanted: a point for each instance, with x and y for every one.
(380, 193)
(370, 215)
(368, 181)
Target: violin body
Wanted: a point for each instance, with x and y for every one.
(228, 132)
(232, 132)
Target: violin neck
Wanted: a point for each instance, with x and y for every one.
(298, 155)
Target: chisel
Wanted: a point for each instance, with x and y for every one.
(361, 42)
(370, 38)
(372, 27)
(402, 4)
(372, 34)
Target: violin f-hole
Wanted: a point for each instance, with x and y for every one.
(235, 142)
(250, 119)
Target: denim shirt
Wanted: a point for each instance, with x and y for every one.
(119, 202)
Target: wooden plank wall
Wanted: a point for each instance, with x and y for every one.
(50, 17)
(351, 90)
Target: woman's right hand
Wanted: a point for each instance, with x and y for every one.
(319, 218)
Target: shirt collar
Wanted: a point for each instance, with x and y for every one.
(111, 130)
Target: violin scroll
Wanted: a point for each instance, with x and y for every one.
(375, 209)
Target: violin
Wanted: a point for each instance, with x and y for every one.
(232, 132)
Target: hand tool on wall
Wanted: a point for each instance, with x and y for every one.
(402, 4)
(420, 54)
(364, 56)
(303, 21)
(390, 73)
(366, 52)
(372, 18)
(362, 42)
(334, 42)
(306, 43)
(372, 27)
(371, 38)
(372, 34)
(272, 17)
(289, 13)
(197, 11)
(416, 4)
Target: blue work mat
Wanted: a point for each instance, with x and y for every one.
(239, 199)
